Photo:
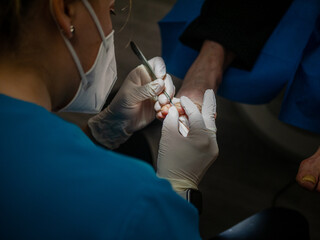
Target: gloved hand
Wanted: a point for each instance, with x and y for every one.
(184, 160)
(132, 107)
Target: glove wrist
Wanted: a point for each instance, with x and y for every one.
(187, 190)
(180, 185)
(107, 131)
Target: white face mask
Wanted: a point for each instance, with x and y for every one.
(97, 83)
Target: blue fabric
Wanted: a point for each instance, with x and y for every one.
(56, 184)
(289, 58)
(178, 57)
(301, 105)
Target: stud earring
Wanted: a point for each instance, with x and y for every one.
(72, 29)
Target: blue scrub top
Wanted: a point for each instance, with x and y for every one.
(56, 184)
(290, 59)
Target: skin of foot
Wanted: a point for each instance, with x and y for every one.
(309, 172)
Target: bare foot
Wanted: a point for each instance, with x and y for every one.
(206, 71)
(309, 172)
(164, 110)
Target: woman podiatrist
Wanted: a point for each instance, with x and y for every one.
(55, 183)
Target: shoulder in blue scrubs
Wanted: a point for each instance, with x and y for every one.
(56, 184)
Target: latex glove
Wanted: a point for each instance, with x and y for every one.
(132, 107)
(162, 109)
(184, 160)
(170, 90)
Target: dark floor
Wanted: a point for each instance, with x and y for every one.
(248, 172)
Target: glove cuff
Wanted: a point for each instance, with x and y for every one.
(181, 185)
(107, 130)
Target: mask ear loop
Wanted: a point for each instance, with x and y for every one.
(73, 53)
(97, 22)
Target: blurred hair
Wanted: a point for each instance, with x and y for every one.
(12, 14)
(127, 9)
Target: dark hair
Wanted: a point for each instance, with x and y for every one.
(12, 13)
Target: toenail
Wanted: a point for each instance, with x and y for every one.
(309, 178)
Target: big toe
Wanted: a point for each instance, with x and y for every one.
(308, 174)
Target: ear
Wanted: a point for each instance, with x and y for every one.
(62, 12)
